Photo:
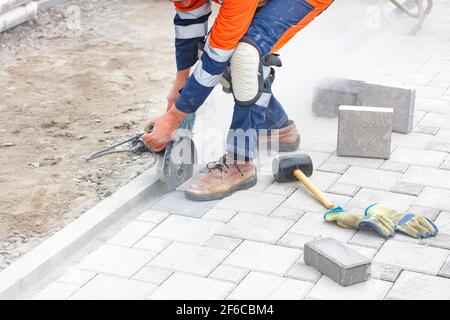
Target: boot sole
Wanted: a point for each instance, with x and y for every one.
(217, 196)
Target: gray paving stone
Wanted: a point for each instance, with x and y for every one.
(443, 222)
(132, 233)
(355, 162)
(76, 277)
(229, 273)
(256, 227)
(436, 120)
(364, 132)
(152, 216)
(152, 244)
(430, 213)
(295, 240)
(262, 202)
(303, 200)
(116, 260)
(337, 261)
(222, 215)
(412, 257)
(301, 271)
(106, 287)
(323, 180)
(419, 157)
(287, 213)
(418, 286)
(441, 240)
(344, 189)
(153, 275)
(188, 287)
(438, 146)
(189, 258)
(445, 271)
(393, 166)
(427, 130)
(370, 178)
(263, 257)
(194, 230)
(385, 272)
(364, 250)
(334, 167)
(401, 100)
(445, 165)
(434, 198)
(176, 203)
(327, 289)
(222, 242)
(314, 225)
(407, 188)
(366, 197)
(282, 188)
(331, 93)
(367, 239)
(56, 291)
(261, 286)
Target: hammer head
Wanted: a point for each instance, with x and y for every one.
(283, 168)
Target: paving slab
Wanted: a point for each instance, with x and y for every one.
(287, 213)
(366, 197)
(430, 213)
(368, 239)
(351, 161)
(132, 233)
(417, 156)
(427, 130)
(385, 272)
(262, 202)
(152, 216)
(394, 166)
(221, 215)
(295, 240)
(282, 188)
(189, 287)
(256, 227)
(194, 230)
(370, 178)
(314, 225)
(76, 277)
(304, 200)
(445, 271)
(434, 198)
(301, 271)
(56, 291)
(428, 176)
(229, 273)
(222, 242)
(407, 188)
(153, 275)
(412, 257)
(106, 287)
(116, 260)
(189, 258)
(152, 244)
(344, 189)
(176, 203)
(327, 289)
(334, 167)
(258, 256)
(418, 286)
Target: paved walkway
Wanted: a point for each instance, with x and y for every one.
(249, 246)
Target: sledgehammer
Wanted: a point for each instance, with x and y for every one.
(300, 167)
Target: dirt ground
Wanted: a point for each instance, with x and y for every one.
(68, 88)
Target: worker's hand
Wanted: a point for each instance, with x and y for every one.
(163, 129)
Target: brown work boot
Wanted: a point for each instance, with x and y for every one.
(287, 137)
(222, 179)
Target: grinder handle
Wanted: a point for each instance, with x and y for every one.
(313, 189)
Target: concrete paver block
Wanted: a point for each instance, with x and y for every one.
(287, 213)
(354, 161)
(188, 287)
(421, 157)
(331, 93)
(304, 200)
(176, 203)
(344, 189)
(263, 257)
(222, 242)
(418, 286)
(189, 258)
(401, 100)
(430, 213)
(367, 239)
(152, 244)
(229, 273)
(370, 178)
(406, 188)
(337, 261)
(445, 271)
(222, 215)
(152, 216)
(385, 272)
(364, 132)
(196, 231)
(334, 167)
(301, 271)
(327, 289)
(153, 275)
(256, 227)
(262, 203)
(76, 277)
(132, 233)
(56, 291)
(433, 198)
(116, 260)
(428, 176)
(394, 166)
(367, 197)
(412, 256)
(295, 240)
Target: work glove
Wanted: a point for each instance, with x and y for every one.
(164, 128)
(378, 223)
(415, 226)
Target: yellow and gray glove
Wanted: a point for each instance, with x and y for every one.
(413, 225)
(379, 223)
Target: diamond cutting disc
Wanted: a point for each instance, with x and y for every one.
(178, 162)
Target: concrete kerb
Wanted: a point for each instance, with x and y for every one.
(36, 264)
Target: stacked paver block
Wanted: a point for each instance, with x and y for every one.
(333, 92)
(15, 12)
(365, 132)
(401, 100)
(337, 261)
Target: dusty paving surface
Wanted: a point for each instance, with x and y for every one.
(68, 89)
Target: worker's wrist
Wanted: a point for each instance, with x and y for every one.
(177, 113)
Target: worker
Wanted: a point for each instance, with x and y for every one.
(238, 51)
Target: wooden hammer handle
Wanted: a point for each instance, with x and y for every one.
(313, 189)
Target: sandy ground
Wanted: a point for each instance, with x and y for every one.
(68, 89)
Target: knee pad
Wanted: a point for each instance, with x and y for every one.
(247, 74)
